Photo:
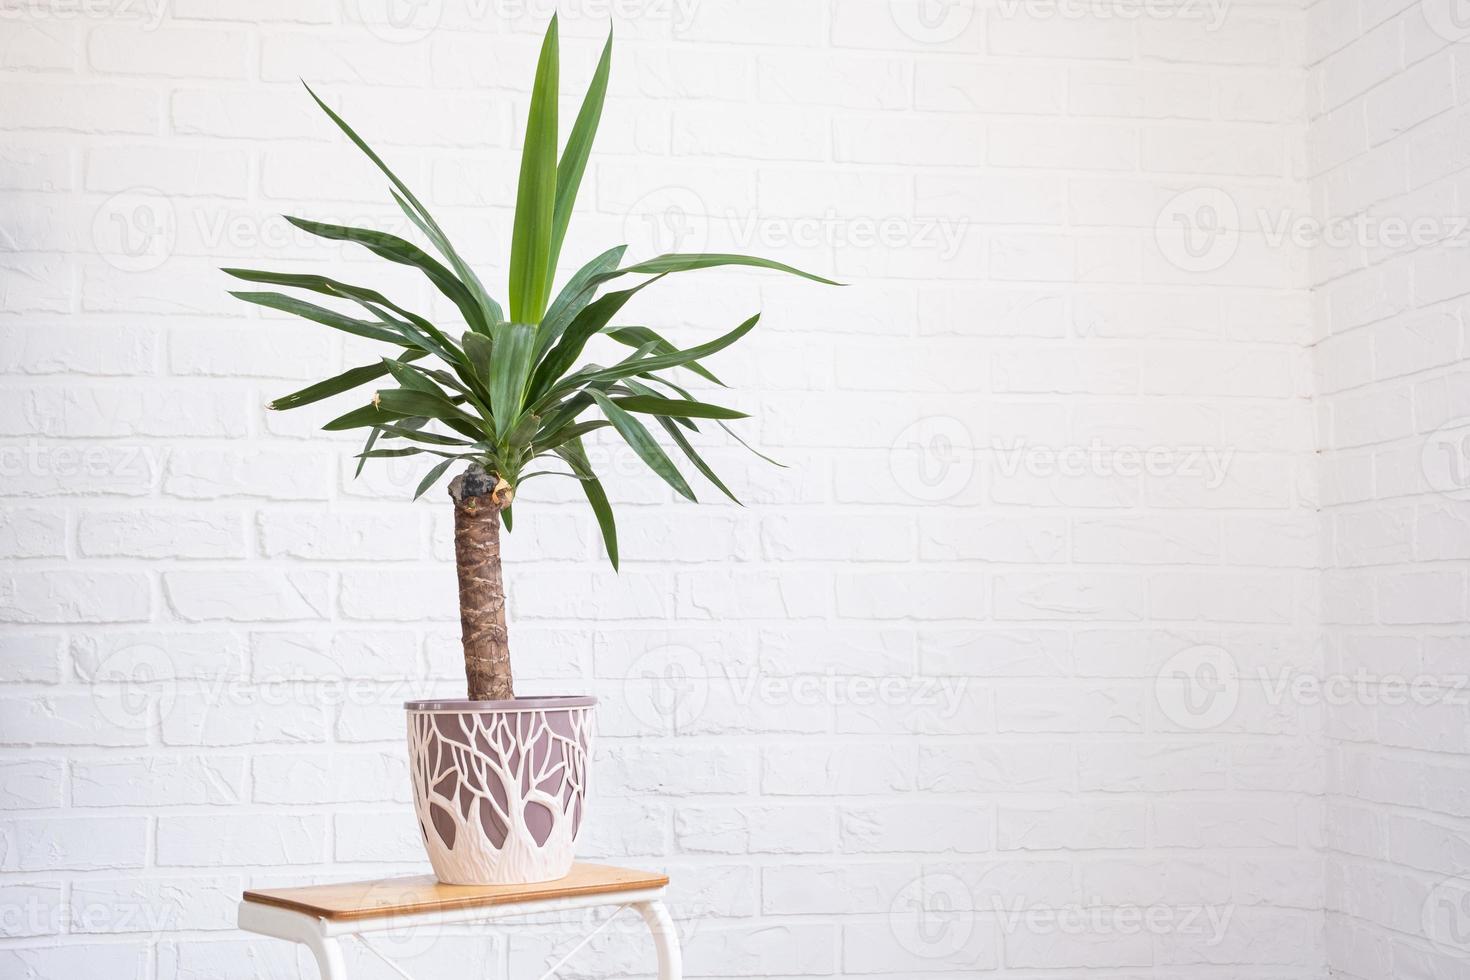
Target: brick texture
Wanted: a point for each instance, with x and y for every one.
(1386, 142)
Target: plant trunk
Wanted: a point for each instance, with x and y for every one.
(479, 497)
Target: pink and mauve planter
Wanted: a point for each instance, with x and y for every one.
(500, 787)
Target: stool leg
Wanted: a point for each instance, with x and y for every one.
(328, 954)
(665, 939)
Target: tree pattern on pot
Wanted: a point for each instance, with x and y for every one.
(500, 795)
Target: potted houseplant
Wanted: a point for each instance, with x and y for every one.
(500, 781)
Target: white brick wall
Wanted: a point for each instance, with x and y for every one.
(1388, 127)
(950, 679)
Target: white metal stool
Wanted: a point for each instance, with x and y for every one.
(317, 916)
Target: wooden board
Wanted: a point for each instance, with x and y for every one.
(424, 893)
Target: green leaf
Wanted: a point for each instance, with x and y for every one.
(345, 381)
(361, 417)
(555, 414)
(583, 327)
(414, 451)
(413, 330)
(575, 296)
(575, 456)
(493, 313)
(530, 246)
(736, 436)
(317, 284)
(642, 443)
(676, 408)
(389, 453)
(425, 336)
(367, 447)
(677, 262)
(443, 379)
(660, 362)
(638, 388)
(430, 438)
(574, 157)
(728, 431)
(579, 377)
(322, 315)
(432, 477)
(362, 145)
(397, 406)
(407, 402)
(643, 336)
(478, 348)
(682, 442)
(548, 441)
(524, 430)
(407, 377)
(417, 378)
(509, 372)
(597, 497)
(395, 249)
(417, 212)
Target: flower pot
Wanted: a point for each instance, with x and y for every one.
(500, 787)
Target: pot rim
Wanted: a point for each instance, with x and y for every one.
(539, 703)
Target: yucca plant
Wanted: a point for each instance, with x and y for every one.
(499, 392)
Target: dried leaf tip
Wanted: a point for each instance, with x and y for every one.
(503, 493)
